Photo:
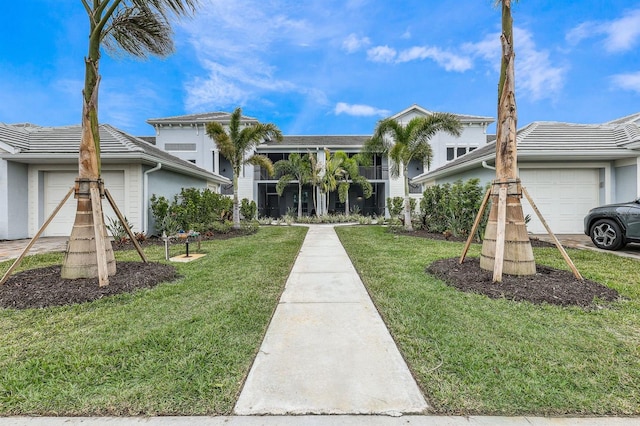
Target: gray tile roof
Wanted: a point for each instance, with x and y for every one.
(64, 142)
(554, 141)
(318, 141)
(203, 118)
(18, 135)
(627, 119)
(465, 118)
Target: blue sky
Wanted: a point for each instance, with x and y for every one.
(330, 66)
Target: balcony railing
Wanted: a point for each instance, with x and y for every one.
(261, 174)
(370, 172)
(374, 172)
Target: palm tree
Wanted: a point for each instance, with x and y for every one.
(333, 173)
(315, 178)
(411, 142)
(296, 168)
(506, 218)
(237, 147)
(351, 166)
(140, 28)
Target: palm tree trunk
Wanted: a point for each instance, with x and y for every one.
(81, 259)
(407, 202)
(236, 205)
(299, 198)
(506, 239)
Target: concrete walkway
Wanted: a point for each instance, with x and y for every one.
(327, 351)
(11, 249)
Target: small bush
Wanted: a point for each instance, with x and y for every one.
(248, 209)
(117, 229)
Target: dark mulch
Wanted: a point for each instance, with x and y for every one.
(548, 285)
(535, 242)
(43, 287)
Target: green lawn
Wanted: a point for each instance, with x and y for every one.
(180, 348)
(474, 355)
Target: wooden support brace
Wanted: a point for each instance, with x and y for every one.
(96, 207)
(35, 238)
(123, 220)
(476, 223)
(498, 262)
(553, 237)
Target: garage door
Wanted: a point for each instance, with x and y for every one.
(563, 197)
(56, 185)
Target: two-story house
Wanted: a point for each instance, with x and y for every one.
(185, 137)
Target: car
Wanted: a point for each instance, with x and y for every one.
(612, 226)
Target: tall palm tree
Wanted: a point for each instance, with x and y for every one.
(506, 236)
(137, 27)
(411, 142)
(315, 178)
(238, 145)
(351, 166)
(296, 168)
(333, 172)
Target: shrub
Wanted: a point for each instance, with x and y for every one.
(395, 206)
(452, 208)
(117, 229)
(193, 209)
(248, 209)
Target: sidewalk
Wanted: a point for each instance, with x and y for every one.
(327, 351)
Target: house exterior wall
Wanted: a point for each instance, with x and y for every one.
(626, 181)
(13, 200)
(473, 136)
(189, 143)
(167, 183)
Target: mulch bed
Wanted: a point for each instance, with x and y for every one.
(548, 285)
(43, 287)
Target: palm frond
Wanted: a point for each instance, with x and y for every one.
(222, 140)
(167, 7)
(262, 161)
(283, 182)
(139, 32)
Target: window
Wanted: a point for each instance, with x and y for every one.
(459, 151)
(450, 154)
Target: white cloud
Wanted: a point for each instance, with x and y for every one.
(381, 54)
(353, 43)
(536, 73)
(449, 61)
(629, 81)
(359, 110)
(620, 35)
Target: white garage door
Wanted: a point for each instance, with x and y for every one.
(563, 197)
(56, 185)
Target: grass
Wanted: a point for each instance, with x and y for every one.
(474, 355)
(179, 348)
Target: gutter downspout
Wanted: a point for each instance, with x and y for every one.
(486, 166)
(145, 197)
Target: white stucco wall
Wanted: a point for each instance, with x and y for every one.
(204, 145)
(13, 200)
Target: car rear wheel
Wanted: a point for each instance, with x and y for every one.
(606, 234)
